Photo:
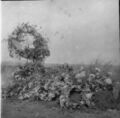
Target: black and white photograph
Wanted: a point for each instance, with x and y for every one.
(60, 59)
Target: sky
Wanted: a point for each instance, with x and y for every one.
(79, 31)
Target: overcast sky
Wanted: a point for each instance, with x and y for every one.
(79, 31)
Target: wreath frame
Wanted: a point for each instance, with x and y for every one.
(40, 43)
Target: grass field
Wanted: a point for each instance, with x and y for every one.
(27, 109)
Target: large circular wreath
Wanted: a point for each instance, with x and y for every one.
(21, 47)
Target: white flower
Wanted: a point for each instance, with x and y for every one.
(88, 95)
(108, 81)
(51, 95)
(91, 77)
(80, 75)
(97, 70)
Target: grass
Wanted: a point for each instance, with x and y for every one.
(26, 109)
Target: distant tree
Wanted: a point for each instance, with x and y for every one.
(26, 42)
